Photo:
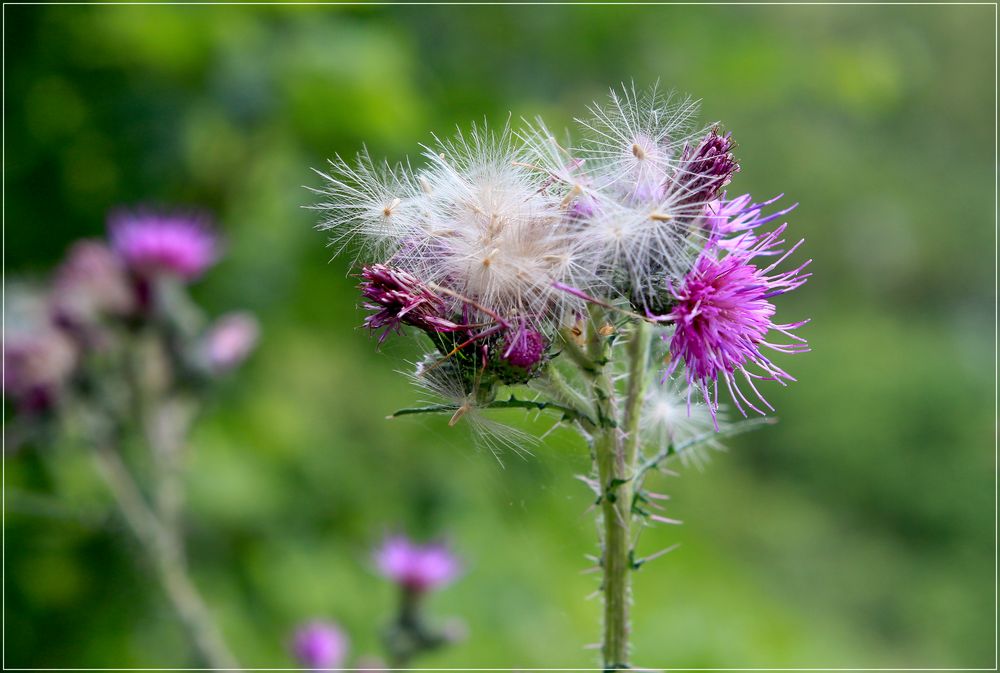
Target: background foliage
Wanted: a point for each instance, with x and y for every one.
(857, 532)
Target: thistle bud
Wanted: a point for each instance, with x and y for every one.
(230, 341)
(521, 355)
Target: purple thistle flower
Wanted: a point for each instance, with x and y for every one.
(415, 567)
(171, 244)
(723, 315)
(401, 299)
(319, 644)
(704, 170)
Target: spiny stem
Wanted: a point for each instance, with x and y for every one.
(614, 470)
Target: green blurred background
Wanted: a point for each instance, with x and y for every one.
(857, 532)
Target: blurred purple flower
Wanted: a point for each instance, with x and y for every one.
(229, 341)
(91, 284)
(416, 567)
(722, 316)
(319, 644)
(157, 243)
(400, 299)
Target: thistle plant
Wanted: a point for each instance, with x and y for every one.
(112, 357)
(613, 282)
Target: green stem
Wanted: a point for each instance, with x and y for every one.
(638, 360)
(615, 451)
(166, 423)
(166, 557)
(614, 454)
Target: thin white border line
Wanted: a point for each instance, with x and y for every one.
(506, 4)
(996, 303)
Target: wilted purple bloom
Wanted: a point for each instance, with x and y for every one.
(319, 644)
(401, 299)
(416, 567)
(230, 340)
(704, 170)
(155, 243)
(91, 284)
(722, 316)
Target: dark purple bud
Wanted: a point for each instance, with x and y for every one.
(522, 351)
(704, 170)
(524, 348)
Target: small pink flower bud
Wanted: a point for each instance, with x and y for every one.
(230, 341)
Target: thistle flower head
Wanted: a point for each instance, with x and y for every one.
(501, 240)
(633, 142)
(417, 568)
(723, 315)
(648, 172)
(475, 220)
(163, 244)
(319, 645)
